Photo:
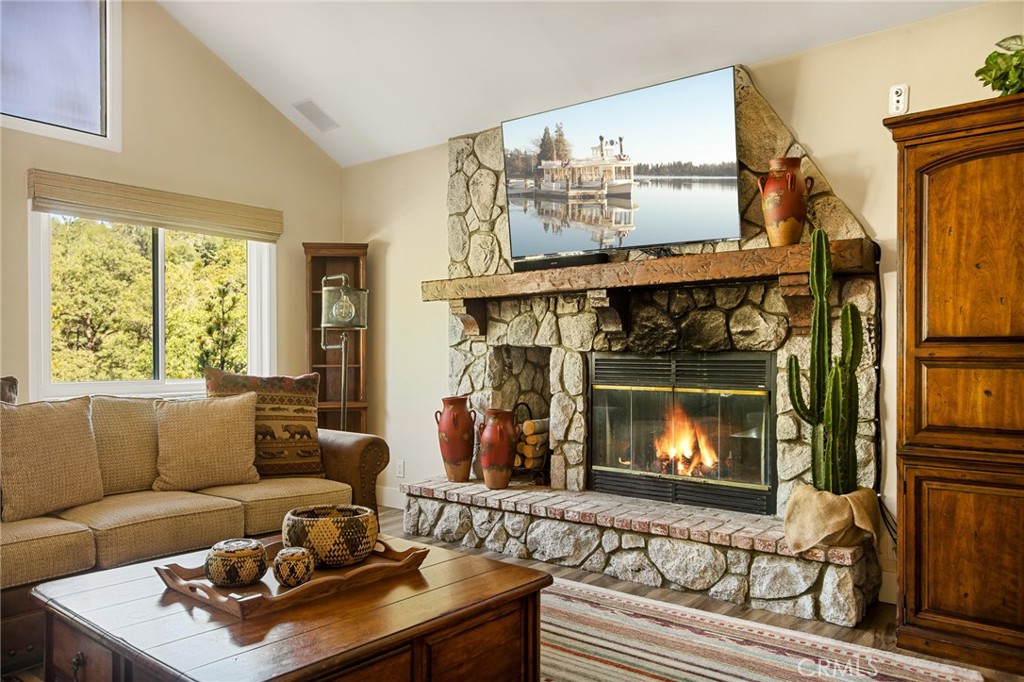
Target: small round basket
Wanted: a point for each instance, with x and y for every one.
(293, 566)
(335, 534)
(236, 562)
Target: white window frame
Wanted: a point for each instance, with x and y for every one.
(111, 141)
(262, 325)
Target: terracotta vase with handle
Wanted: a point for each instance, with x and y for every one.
(498, 436)
(455, 427)
(784, 193)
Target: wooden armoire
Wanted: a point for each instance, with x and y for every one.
(960, 384)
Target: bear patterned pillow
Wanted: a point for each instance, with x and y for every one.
(286, 439)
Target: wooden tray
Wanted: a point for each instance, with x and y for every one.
(269, 595)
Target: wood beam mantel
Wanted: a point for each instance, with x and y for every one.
(788, 264)
(849, 256)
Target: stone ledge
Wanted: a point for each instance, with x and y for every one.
(741, 558)
(679, 521)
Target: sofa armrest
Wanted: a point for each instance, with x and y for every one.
(356, 459)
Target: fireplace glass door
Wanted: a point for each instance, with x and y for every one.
(673, 423)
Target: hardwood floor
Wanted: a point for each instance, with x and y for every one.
(877, 630)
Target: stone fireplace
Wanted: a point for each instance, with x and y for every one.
(541, 337)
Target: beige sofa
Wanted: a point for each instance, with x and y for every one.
(132, 521)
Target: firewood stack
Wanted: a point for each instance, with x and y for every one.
(532, 448)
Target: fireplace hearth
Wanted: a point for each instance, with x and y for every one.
(694, 428)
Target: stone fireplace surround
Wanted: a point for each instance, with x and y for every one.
(506, 329)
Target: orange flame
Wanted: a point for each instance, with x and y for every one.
(684, 444)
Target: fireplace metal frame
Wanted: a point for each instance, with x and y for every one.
(660, 369)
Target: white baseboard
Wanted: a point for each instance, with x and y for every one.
(390, 497)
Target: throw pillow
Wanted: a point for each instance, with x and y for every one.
(203, 443)
(49, 458)
(286, 439)
(8, 390)
(126, 442)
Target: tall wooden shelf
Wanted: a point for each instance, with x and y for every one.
(960, 427)
(336, 259)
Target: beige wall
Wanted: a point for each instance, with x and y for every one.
(833, 98)
(191, 125)
(399, 206)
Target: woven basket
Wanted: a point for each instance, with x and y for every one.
(335, 534)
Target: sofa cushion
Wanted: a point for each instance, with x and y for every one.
(286, 419)
(43, 547)
(143, 525)
(126, 442)
(265, 503)
(208, 442)
(49, 458)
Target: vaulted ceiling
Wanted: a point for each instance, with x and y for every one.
(401, 76)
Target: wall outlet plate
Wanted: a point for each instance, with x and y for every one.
(899, 99)
(400, 468)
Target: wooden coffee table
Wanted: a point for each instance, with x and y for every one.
(459, 617)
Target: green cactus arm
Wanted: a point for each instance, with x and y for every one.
(842, 452)
(795, 393)
(833, 429)
(853, 400)
(821, 264)
(852, 331)
(821, 350)
(817, 455)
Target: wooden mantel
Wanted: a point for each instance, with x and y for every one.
(787, 264)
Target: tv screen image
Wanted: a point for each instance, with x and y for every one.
(650, 167)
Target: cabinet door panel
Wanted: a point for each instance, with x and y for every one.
(963, 533)
(973, 396)
(974, 249)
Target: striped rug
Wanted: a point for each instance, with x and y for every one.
(590, 634)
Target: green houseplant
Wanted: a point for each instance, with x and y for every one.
(1004, 71)
(833, 510)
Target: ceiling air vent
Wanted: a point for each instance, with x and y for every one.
(316, 115)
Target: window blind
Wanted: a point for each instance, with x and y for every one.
(63, 194)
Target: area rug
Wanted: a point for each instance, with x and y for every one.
(590, 634)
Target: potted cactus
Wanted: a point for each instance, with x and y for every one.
(834, 510)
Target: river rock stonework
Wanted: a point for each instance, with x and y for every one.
(743, 559)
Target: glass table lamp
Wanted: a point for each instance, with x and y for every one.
(343, 307)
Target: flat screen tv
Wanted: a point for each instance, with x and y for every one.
(650, 167)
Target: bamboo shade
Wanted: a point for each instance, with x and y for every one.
(110, 201)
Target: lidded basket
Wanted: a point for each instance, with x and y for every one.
(236, 562)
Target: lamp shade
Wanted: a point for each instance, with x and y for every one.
(343, 306)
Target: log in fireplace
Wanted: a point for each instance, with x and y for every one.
(695, 428)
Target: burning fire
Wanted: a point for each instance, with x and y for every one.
(683, 445)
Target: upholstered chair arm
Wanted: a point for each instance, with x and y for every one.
(356, 459)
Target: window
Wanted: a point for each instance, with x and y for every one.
(61, 73)
(122, 306)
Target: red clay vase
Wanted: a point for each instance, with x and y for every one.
(498, 436)
(784, 193)
(455, 422)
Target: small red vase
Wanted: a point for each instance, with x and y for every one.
(455, 422)
(784, 193)
(498, 436)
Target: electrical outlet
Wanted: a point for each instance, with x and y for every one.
(400, 468)
(899, 99)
